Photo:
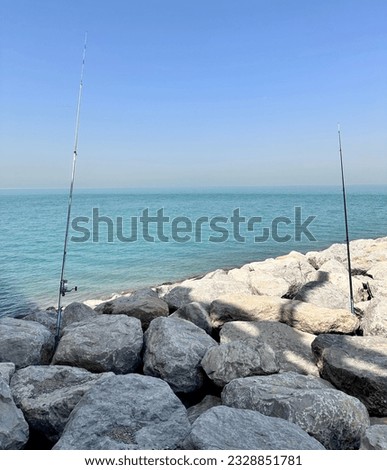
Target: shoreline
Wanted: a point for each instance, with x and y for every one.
(94, 301)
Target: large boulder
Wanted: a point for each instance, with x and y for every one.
(14, 430)
(144, 305)
(48, 394)
(204, 290)
(357, 366)
(364, 253)
(369, 252)
(102, 344)
(374, 321)
(324, 294)
(224, 428)
(292, 347)
(335, 419)
(336, 273)
(229, 361)
(260, 282)
(293, 268)
(195, 313)
(337, 252)
(276, 277)
(174, 349)
(76, 312)
(126, 412)
(375, 438)
(25, 343)
(301, 315)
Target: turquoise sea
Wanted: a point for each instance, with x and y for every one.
(115, 252)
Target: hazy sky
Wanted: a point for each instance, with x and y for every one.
(193, 92)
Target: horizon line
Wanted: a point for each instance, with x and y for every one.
(179, 188)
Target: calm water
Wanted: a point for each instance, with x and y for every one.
(32, 231)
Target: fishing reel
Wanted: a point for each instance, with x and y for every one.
(64, 289)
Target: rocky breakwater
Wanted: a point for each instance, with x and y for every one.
(265, 356)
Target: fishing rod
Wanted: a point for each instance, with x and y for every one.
(346, 223)
(63, 286)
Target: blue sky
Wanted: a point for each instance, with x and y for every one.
(193, 93)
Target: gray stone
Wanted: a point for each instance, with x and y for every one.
(47, 319)
(25, 343)
(102, 344)
(239, 359)
(224, 428)
(142, 305)
(14, 431)
(195, 313)
(174, 349)
(48, 394)
(203, 290)
(140, 294)
(209, 401)
(301, 315)
(126, 412)
(374, 321)
(335, 419)
(7, 369)
(292, 347)
(76, 312)
(375, 438)
(357, 366)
